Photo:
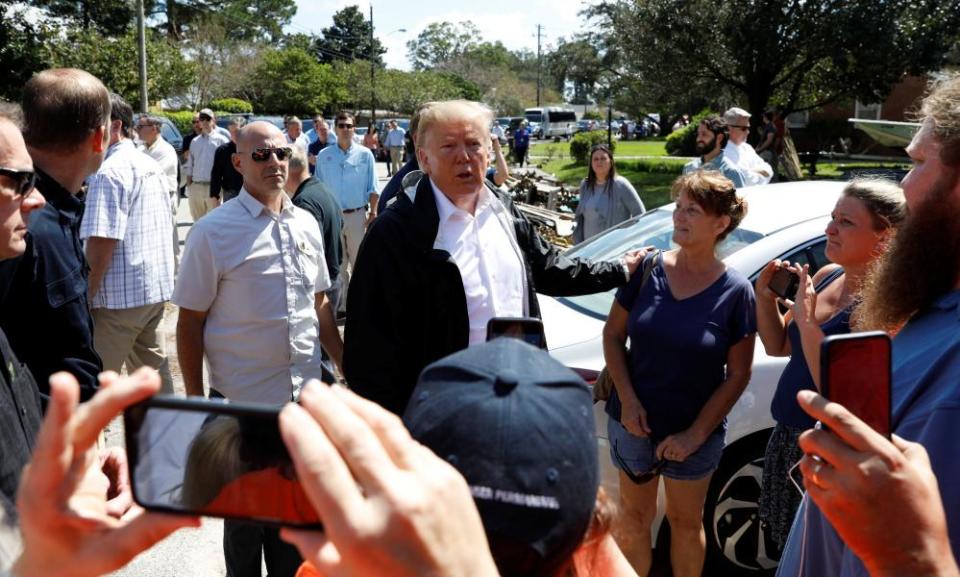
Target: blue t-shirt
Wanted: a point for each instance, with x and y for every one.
(678, 349)
(796, 375)
(926, 410)
(521, 138)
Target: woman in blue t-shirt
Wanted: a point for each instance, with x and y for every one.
(861, 225)
(691, 327)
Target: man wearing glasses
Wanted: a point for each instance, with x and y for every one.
(739, 152)
(45, 312)
(251, 297)
(203, 149)
(348, 169)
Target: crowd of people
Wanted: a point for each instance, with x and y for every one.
(449, 455)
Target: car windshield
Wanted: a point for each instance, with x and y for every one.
(654, 228)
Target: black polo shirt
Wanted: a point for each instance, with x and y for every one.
(314, 197)
(19, 420)
(45, 312)
(224, 176)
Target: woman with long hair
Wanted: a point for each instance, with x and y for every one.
(606, 198)
(862, 224)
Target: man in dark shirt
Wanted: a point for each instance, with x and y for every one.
(19, 398)
(45, 312)
(225, 181)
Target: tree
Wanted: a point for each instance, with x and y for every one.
(109, 17)
(398, 90)
(578, 62)
(115, 62)
(348, 39)
(799, 54)
(441, 42)
(290, 80)
(225, 66)
(21, 50)
(250, 20)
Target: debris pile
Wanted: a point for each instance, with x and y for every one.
(546, 202)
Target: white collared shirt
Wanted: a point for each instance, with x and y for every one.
(202, 150)
(490, 266)
(256, 273)
(166, 156)
(745, 158)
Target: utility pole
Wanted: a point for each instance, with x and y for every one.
(539, 63)
(373, 75)
(142, 41)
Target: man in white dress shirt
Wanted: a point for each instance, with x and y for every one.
(203, 148)
(251, 297)
(753, 168)
(445, 257)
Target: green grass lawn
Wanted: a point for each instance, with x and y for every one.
(652, 183)
(561, 150)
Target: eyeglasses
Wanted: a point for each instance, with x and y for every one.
(740, 127)
(263, 154)
(25, 179)
(344, 126)
(658, 466)
(205, 119)
(142, 126)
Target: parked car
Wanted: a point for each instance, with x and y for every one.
(170, 133)
(784, 221)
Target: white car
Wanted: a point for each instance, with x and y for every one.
(785, 221)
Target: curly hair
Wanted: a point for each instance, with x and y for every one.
(941, 108)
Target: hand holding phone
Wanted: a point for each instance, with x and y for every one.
(784, 283)
(527, 329)
(855, 372)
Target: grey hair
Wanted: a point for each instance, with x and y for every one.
(298, 160)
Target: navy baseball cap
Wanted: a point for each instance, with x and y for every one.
(519, 426)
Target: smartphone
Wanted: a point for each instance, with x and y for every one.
(195, 456)
(784, 283)
(855, 372)
(526, 329)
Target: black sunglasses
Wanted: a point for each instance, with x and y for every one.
(26, 179)
(344, 126)
(639, 478)
(263, 154)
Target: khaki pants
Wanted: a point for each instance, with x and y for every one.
(198, 195)
(396, 158)
(132, 336)
(354, 227)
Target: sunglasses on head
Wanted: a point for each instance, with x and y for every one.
(344, 126)
(263, 154)
(205, 119)
(639, 478)
(25, 179)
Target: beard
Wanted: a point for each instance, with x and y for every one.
(702, 149)
(921, 265)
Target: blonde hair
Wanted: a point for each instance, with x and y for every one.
(447, 110)
(213, 460)
(942, 109)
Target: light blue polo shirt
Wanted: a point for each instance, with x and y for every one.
(351, 175)
(926, 410)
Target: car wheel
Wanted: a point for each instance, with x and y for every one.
(737, 543)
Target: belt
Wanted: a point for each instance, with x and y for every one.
(349, 210)
(198, 182)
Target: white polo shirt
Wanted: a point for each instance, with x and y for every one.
(488, 258)
(256, 273)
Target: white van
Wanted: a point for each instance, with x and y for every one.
(554, 121)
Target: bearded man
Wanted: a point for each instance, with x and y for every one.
(712, 136)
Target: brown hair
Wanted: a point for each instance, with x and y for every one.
(343, 115)
(715, 193)
(62, 108)
(592, 176)
(942, 108)
(883, 198)
(718, 126)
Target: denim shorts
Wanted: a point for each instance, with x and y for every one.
(638, 454)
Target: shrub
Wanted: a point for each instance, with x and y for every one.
(582, 142)
(183, 120)
(665, 166)
(683, 142)
(230, 105)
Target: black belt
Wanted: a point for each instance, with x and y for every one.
(349, 210)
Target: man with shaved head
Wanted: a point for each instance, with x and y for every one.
(448, 255)
(251, 297)
(46, 313)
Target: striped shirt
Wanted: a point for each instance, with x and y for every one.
(202, 150)
(127, 200)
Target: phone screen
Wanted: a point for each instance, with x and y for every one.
(785, 283)
(529, 330)
(203, 457)
(855, 372)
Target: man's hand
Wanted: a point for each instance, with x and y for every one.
(69, 527)
(371, 215)
(633, 258)
(389, 506)
(867, 486)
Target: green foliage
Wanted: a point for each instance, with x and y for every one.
(231, 105)
(246, 20)
(665, 166)
(683, 142)
(115, 62)
(291, 81)
(582, 142)
(109, 17)
(592, 115)
(21, 51)
(579, 62)
(183, 120)
(348, 39)
(441, 42)
(398, 90)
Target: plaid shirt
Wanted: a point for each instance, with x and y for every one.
(127, 200)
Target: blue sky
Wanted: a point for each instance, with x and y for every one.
(513, 22)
